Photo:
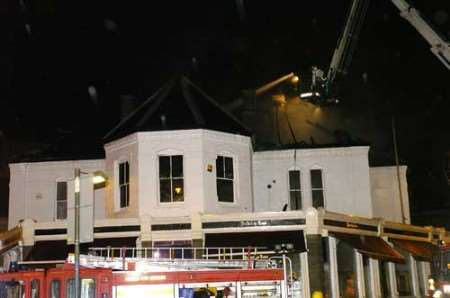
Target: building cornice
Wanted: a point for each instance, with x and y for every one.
(313, 152)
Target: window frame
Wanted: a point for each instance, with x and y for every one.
(312, 189)
(117, 194)
(300, 190)
(66, 201)
(171, 178)
(233, 179)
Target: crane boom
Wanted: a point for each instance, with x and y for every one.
(439, 47)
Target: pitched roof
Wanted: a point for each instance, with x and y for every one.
(179, 104)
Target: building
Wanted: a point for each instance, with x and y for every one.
(183, 172)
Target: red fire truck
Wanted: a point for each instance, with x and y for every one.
(106, 283)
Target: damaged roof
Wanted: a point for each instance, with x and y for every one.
(178, 104)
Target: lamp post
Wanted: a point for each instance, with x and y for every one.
(98, 178)
(77, 233)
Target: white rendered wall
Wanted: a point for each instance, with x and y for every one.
(386, 194)
(345, 177)
(32, 189)
(199, 149)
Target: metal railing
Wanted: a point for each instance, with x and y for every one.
(180, 253)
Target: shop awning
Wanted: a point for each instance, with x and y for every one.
(267, 240)
(370, 246)
(421, 251)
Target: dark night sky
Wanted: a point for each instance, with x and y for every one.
(118, 48)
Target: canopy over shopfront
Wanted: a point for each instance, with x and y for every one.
(421, 251)
(370, 246)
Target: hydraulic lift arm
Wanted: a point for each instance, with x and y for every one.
(439, 47)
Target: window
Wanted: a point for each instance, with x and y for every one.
(12, 289)
(34, 288)
(295, 190)
(124, 184)
(225, 177)
(55, 289)
(171, 181)
(87, 288)
(317, 188)
(61, 200)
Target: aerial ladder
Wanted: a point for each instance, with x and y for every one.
(322, 87)
(438, 45)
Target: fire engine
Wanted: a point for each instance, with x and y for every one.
(119, 277)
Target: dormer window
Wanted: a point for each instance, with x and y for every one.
(225, 179)
(124, 184)
(171, 180)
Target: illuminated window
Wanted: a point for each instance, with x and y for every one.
(124, 184)
(295, 190)
(171, 181)
(61, 200)
(317, 188)
(225, 179)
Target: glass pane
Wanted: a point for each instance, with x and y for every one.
(367, 276)
(225, 190)
(61, 209)
(403, 276)
(87, 288)
(35, 288)
(178, 190)
(384, 278)
(127, 172)
(164, 190)
(164, 166)
(229, 168)
(294, 179)
(61, 191)
(15, 289)
(219, 167)
(346, 270)
(121, 173)
(123, 196)
(317, 198)
(55, 289)
(296, 200)
(316, 178)
(177, 166)
(70, 288)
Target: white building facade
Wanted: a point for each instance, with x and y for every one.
(171, 185)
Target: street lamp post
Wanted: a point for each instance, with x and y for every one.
(77, 233)
(98, 178)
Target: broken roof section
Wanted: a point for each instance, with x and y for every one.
(179, 104)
